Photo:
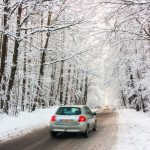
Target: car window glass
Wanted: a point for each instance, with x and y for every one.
(87, 111)
(68, 111)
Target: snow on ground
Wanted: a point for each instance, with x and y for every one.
(25, 122)
(134, 130)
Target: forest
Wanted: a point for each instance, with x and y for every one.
(52, 51)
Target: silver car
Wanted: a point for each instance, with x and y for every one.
(76, 119)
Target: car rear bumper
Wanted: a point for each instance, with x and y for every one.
(68, 128)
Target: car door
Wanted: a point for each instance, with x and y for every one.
(91, 119)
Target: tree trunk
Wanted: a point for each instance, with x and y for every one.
(15, 59)
(4, 41)
(24, 72)
(123, 99)
(24, 80)
(4, 49)
(43, 57)
(131, 77)
(85, 91)
(53, 73)
(68, 83)
(72, 88)
(61, 82)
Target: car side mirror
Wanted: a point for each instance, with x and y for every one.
(94, 113)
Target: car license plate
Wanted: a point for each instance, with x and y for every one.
(66, 120)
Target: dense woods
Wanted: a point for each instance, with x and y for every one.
(38, 66)
(129, 36)
(47, 46)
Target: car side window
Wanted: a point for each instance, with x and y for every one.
(87, 111)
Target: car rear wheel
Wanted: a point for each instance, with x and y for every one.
(86, 133)
(53, 134)
(95, 127)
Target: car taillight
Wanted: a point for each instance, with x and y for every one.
(82, 118)
(53, 118)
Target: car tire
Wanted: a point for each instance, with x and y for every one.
(95, 127)
(53, 134)
(86, 133)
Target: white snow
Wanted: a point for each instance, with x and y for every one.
(25, 122)
(134, 130)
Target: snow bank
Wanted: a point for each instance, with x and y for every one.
(25, 122)
(134, 130)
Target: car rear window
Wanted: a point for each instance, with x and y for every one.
(68, 111)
